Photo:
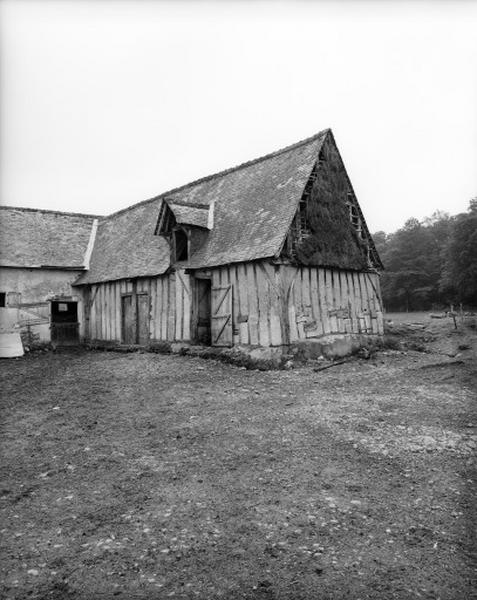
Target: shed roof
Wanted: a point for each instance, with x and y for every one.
(254, 205)
(188, 214)
(34, 238)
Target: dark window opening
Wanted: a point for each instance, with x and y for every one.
(169, 222)
(166, 221)
(181, 243)
(3, 299)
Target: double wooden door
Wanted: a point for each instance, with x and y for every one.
(135, 311)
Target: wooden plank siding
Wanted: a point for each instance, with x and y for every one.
(271, 305)
(331, 301)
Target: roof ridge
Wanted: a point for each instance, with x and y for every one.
(55, 212)
(224, 172)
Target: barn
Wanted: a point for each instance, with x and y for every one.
(42, 253)
(273, 252)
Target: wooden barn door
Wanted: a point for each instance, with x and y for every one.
(222, 316)
(135, 311)
(128, 320)
(142, 318)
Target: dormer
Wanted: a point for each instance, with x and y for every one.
(185, 226)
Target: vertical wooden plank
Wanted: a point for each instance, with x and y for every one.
(233, 278)
(344, 298)
(275, 317)
(100, 312)
(337, 299)
(155, 325)
(186, 306)
(374, 302)
(171, 313)
(297, 294)
(92, 314)
(243, 314)
(380, 313)
(97, 309)
(365, 302)
(263, 303)
(112, 310)
(107, 308)
(106, 311)
(291, 275)
(143, 317)
(315, 300)
(323, 301)
(252, 304)
(179, 307)
(330, 300)
(359, 303)
(94, 311)
(272, 286)
(117, 312)
(158, 312)
(165, 307)
(306, 293)
(351, 303)
(296, 307)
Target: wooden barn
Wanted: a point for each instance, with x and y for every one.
(269, 253)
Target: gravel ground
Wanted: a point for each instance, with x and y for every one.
(156, 476)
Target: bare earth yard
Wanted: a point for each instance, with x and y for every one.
(155, 476)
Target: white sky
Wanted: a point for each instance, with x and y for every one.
(106, 103)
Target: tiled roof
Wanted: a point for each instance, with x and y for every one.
(34, 238)
(126, 246)
(254, 205)
(187, 214)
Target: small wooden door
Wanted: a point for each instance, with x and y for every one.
(64, 323)
(222, 316)
(128, 322)
(142, 318)
(135, 319)
(203, 292)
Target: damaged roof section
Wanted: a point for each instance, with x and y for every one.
(34, 238)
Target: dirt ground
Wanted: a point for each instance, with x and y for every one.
(155, 476)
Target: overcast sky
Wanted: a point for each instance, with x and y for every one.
(107, 103)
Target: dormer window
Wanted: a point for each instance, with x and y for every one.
(180, 241)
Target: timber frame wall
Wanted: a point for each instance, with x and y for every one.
(271, 304)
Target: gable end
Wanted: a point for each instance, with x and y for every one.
(328, 228)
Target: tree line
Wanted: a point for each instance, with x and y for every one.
(430, 264)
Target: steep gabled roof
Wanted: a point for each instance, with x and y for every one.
(35, 238)
(254, 205)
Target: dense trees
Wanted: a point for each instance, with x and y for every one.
(432, 263)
